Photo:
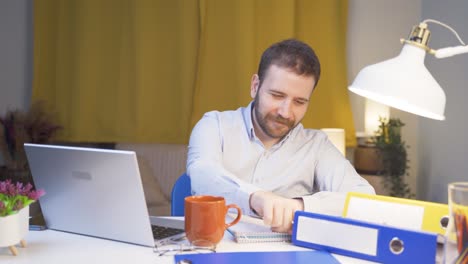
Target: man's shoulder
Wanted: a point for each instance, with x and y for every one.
(226, 116)
(309, 134)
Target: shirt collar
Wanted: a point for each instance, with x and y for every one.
(247, 114)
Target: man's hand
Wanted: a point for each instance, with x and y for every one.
(277, 211)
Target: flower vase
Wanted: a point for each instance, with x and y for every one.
(13, 229)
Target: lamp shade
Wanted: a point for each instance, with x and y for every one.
(403, 83)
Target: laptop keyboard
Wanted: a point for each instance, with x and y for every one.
(161, 232)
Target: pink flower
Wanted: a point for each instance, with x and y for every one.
(35, 195)
(3, 187)
(23, 190)
(14, 197)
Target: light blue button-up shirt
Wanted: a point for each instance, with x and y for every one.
(225, 158)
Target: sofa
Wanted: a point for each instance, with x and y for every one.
(160, 165)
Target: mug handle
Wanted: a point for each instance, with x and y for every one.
(239, 214)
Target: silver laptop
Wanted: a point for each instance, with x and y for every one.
(96, 192)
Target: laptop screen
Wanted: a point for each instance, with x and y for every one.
(95, 192)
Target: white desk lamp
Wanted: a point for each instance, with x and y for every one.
(404, 81)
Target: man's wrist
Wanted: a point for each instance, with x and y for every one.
(301, 201)
(252, 209)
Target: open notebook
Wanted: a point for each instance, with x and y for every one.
(252, 230)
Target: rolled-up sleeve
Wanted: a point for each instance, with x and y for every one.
(334, 178)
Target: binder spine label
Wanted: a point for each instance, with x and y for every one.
(324, 232)
(383, 212)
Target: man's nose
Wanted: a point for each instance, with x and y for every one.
(284, 109)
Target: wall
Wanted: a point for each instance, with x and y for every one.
(443, 144)
(374, 31)
(437, 152)
(16, 54)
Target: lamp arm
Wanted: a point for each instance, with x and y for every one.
(448, 51)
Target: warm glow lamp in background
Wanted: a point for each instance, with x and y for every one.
(404, 81)
(373, 112)
(337, 137)
(366, 157)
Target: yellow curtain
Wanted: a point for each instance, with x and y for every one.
(147, 70)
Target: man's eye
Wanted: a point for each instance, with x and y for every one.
(277, 95)
(300, 102)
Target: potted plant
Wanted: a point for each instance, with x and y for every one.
(15, 199)
(18, 127)
(393, 156)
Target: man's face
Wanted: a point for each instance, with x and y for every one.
(280, 103)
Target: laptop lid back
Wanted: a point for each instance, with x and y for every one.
(93, 192)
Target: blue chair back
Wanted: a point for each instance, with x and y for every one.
(181, 189)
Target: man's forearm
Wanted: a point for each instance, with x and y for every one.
(215, 180)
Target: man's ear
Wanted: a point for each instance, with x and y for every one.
(254, 85)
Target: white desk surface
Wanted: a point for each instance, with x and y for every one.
(60, 247)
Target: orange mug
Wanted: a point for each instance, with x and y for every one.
(205, 218)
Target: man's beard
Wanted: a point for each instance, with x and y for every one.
(270, 118)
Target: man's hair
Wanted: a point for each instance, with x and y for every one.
(292, 54)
